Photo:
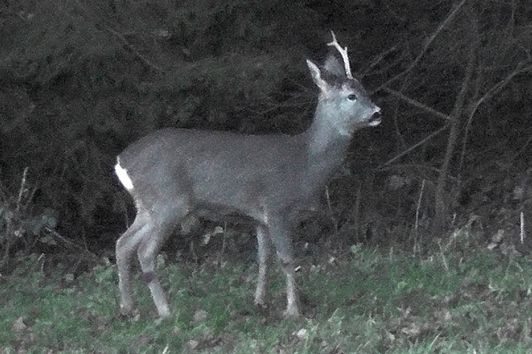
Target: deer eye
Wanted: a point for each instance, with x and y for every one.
(352, 97)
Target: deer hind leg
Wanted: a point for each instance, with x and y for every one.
(283, 245)
(264, 250)
(125, 246)
(163, 222)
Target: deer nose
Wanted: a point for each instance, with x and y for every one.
(376, 118)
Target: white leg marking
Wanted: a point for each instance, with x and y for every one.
(123, 176)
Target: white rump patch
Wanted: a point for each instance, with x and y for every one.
(123, 176)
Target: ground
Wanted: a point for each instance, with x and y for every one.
(458, 297)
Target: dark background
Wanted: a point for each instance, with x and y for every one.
(80, 80)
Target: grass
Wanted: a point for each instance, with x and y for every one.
(455, 299)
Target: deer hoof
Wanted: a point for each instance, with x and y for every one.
(131, 313)
(260, 303)
(261, 306)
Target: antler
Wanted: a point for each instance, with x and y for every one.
(343, 53)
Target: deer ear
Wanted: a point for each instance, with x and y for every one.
(315, 72)
(333, 66)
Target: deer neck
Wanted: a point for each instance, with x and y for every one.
(326, 149)
(326, 140)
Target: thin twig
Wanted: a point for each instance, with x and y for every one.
(417, 104)
(142, 58)
(520, 68)
(421, 142)
(403, 166)
(331, 214)
(444, 260)
(522, 149)
(222, 251)
(378, 59)
(420, 198)
(118, 35)
(429, 41)
(522, 227)
(21, 189)
(65, 240)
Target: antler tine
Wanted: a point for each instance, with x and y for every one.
(343, 53)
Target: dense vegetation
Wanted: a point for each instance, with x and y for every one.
(82, 79)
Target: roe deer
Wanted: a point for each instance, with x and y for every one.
(172, 173)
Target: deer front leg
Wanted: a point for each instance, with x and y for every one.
(283, 245)
(292, 300)
(264, 250)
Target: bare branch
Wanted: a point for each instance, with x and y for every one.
(440, 204)
(376, 61)
(90, 15)
(423, 169)
(417, 104)
(22, 189)
(141, 57)
(66, 241)
(520, 68)
(343, 53)
(421, 142)
(429, 41)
